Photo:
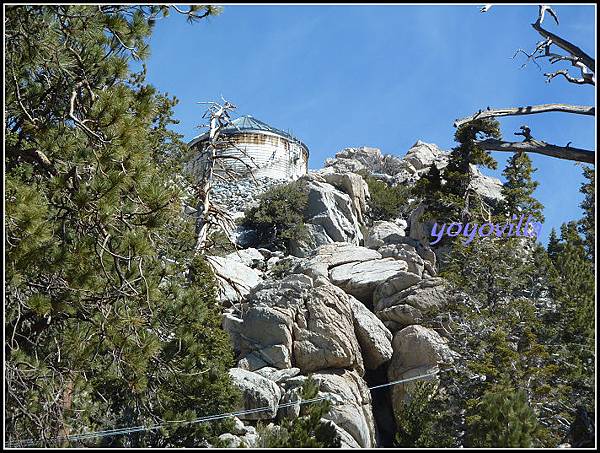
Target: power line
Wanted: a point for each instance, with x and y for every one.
(135, 429)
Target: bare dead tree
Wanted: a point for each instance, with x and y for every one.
(214, 156)
(553, 49)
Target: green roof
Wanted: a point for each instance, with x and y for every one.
(248, 123)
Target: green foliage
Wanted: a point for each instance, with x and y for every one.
(504, 420)
(218, 244)
(519, 187)
(109, 321)
(554, 246)
(490, 269)
(448, 195)
(386, 202)
(419, 419)
(307, 430)
(521, 318)
(576, 291)
(461, 201)
(504, 336)
(574, 323)
(587, 225)
(279, 216)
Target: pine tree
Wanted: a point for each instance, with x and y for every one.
(460, 201)
(587, 225)
(421, 415)
(519, 187)
(554, 245)
(429, 187)
(448, 194)
(504, 420)
(109, 320)
(571, 328)
(279, 217)
(577, 291)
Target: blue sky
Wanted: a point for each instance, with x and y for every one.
(381, 76)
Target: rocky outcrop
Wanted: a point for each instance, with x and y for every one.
(352, 184)
(361, 279)
(419, 229)
(407, 253)
(293, 323)
(333, 210)
(257, 392)
(421, 156)
(384, 232)
(374, 338)
(417, 351)
(324, 332)
(363, 158)
(347, 306)
(351, 409)
(415, 304)
(235, 278)
(326, 257)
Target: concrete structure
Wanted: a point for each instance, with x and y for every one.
(257, 148)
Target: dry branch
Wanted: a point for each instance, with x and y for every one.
(565, 45)
(539, 147)
(529, 110)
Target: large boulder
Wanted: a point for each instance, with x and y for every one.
(360, 279)
(257, 392)
(329, 256)
(355, 160)
(332, 209)
(421, 156)
(290, 322)
(383, 232)
(417, 346)
(414, 304)
(374, 338)
(324, 332)
(417, 350)
(351, 404)
(346, 440)
(399, 281)
(352, 184)
(234, 278)
(407, 253)
(420, 230)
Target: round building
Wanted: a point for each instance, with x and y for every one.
(253, 149)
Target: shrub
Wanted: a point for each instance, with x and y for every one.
(279, 216)
(306, 431)
(504, 419)
(386, 201)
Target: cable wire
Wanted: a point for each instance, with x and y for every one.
(208, 418)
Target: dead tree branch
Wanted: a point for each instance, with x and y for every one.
(563, 72)
(575, 55)
(539, 147)
(565, 45)
(529, 110)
